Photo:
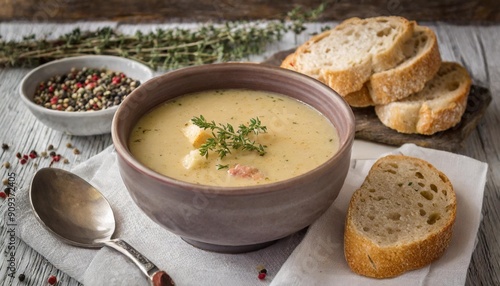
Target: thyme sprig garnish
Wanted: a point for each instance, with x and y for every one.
(225, 137)
(163, 48)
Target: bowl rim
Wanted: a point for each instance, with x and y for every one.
(66, 114)
(123, 151)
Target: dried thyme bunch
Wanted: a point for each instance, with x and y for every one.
(167, 49)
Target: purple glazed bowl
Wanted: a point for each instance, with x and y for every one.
(233, 219)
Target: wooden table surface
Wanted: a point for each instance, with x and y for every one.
(476, 47)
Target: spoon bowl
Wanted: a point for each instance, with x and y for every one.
(71, 208)
(76, 212)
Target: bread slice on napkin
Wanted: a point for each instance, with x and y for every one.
(346, 56)
(439, 106)
(400, 219)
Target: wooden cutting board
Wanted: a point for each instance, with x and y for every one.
(369, 127)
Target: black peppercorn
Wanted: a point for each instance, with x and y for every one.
(21, 277)
(5, 146)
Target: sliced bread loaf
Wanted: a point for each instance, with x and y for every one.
(437, 107)
(400, 219)
(345, 57)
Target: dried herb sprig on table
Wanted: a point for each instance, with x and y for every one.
(225, 137)
(167, 49)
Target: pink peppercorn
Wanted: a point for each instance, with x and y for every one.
(262, 273)
(3, 195)
(116, 80)
(33, 154)
(23, 161)
(52, 280)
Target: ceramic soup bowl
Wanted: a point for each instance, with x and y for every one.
(234, 219)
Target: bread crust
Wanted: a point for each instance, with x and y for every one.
(366, 257)
(360, 98)
(361, 253)
(428, 116)
(288, 62)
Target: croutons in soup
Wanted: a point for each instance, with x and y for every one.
(293, 138)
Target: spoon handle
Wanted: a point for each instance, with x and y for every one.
(157, 277)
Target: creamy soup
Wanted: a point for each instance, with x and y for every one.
(298, 138)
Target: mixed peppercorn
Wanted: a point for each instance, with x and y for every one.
(262, 272)
(31, 156)
(84, 89)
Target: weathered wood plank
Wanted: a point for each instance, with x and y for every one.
(214, 10)
(485, 62)
(475, 47)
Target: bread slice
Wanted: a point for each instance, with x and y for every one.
(400, 219)
(421, 65)
(345, 57)
(439, 106)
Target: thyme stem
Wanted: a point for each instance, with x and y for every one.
(225, 137)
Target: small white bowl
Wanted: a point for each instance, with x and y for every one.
(78, 123)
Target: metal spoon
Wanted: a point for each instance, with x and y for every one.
(79, 214)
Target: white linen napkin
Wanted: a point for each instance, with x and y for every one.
(186, 264)
(317, 260)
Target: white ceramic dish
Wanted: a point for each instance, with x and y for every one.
(78, 123)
